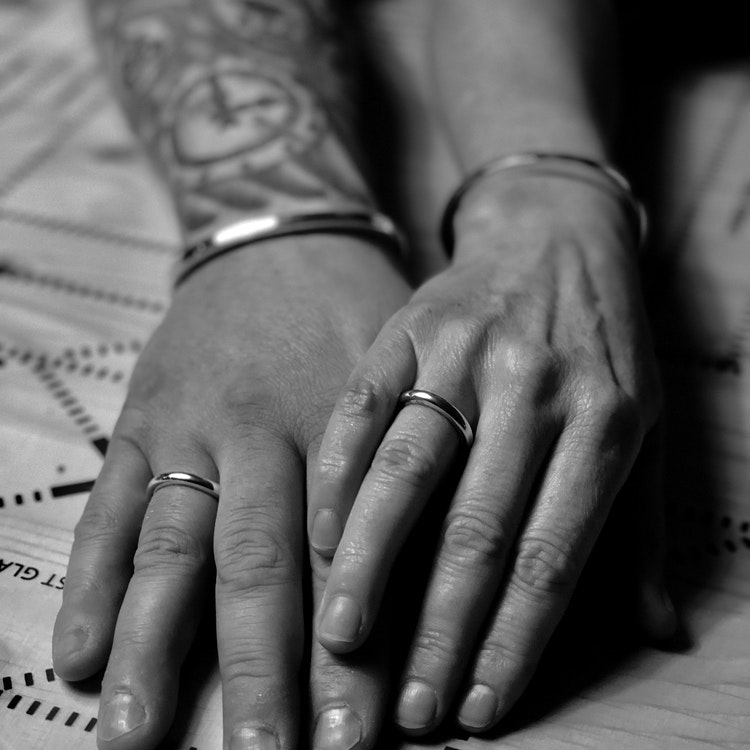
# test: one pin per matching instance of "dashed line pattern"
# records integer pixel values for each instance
(70, 360)
(69, 403)
(716, 535)
(86, 231)
(49, 711)
(71, 720)
(67, 286)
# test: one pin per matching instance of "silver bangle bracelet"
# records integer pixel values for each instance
(554, 164)
(259, 228)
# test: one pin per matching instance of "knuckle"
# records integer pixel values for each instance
(432, 645)
(361, 399)
(250, 659)
(248, 398)
(546, 566)
(97, 525)
(252, 554)
(332, 466)
(621, 418)
(163, 546)
(504, 660)
(475, 536)
(404, 460)
(534, 371)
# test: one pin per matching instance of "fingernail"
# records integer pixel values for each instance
(72, 641)
(337, 729)
(120, 715)
(479, 709)
(252, 738)
(326, 531)
(342, 620)
(417, 706)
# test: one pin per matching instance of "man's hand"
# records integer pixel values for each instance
(537, 334)
(236, 385)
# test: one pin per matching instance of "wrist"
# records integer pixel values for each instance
(288, 262)
(505, 211)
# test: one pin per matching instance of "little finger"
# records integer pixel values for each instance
(585, 473)
(101, 562)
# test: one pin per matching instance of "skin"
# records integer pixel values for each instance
(537, 333)
(236, 384)
(535, 330)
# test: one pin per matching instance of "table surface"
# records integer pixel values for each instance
(87, 240)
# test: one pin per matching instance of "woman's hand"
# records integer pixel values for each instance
(236, 385)
(536, 333)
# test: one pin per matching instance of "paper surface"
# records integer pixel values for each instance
(87, 240)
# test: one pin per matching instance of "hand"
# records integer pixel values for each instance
(236, 385)
(537, 334)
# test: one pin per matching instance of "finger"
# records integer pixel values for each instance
(643, 500)
(160, 613)
(348, 694)
(407, 467)
(588, 468)
(512, 443)
(101, 562)
(258, 547)
(359, 420)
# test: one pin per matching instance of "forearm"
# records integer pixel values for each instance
(517, 75)
(238, 103)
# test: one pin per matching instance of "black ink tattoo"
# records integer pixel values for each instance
(238, 101)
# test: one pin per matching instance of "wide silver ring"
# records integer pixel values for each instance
(183, 479)
(442, 407)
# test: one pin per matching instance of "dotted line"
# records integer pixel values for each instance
(52, 714)
(28, 679)
(705, 520)
(729, 364)
(86, 231)
(67, 286)
(18, 499)
(71, 405)
(35, 705)
(103, 349)
(69, 361)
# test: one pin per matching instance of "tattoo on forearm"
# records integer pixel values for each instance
(241, 102)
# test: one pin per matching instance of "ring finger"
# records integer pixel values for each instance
(160, 612)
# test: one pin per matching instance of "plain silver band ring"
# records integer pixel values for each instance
(442, 407)
(183, 479)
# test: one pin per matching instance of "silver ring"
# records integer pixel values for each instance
(183, 479)
(442, 407)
